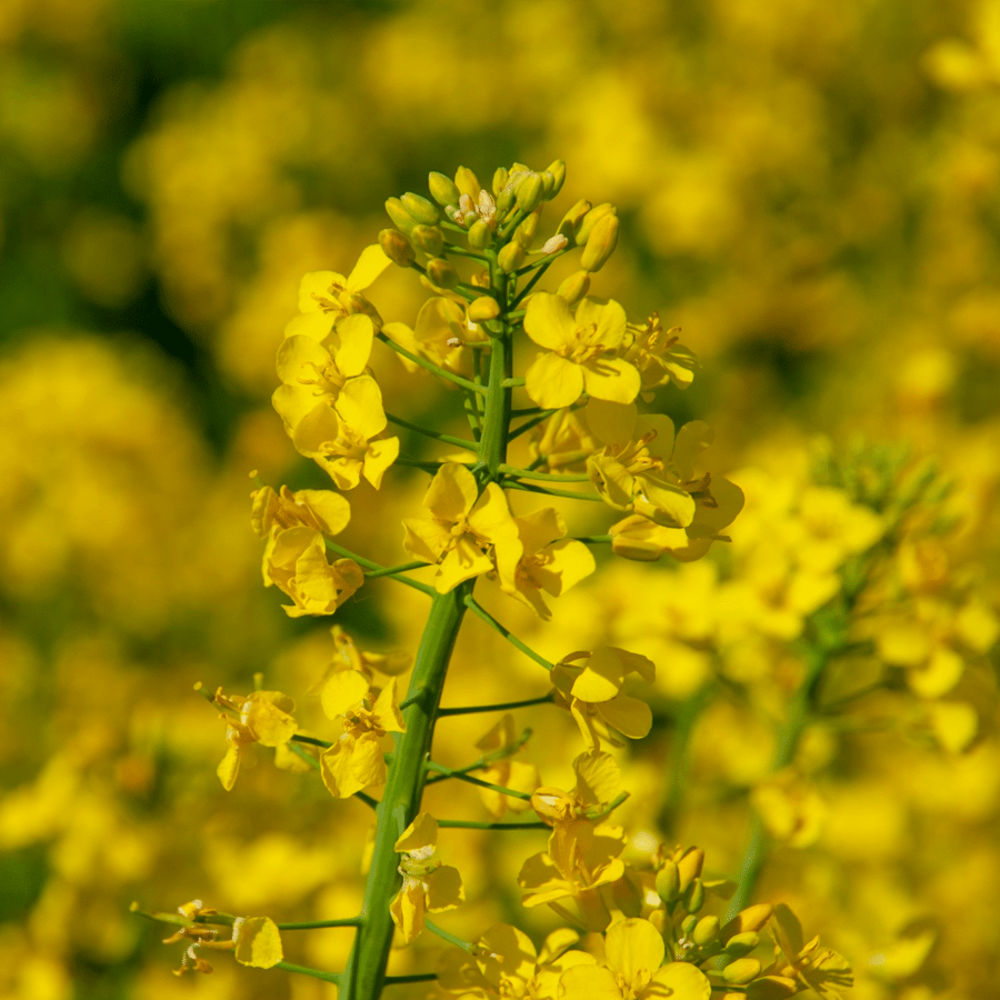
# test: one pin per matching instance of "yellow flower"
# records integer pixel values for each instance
(348, 660)
(332, 294)
(582, 352)
(548, 562)
(295, 561)
(591, 691)
(261, 717)
(465, 529)
(803, 963)
(356, 760)
(428, 886)
(322, 510)
(563, 442)
(315, 363)
(631, 970)
(440, 334)
(658, 356)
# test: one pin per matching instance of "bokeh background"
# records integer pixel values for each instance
(810, 190)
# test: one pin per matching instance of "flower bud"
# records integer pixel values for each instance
(600, 244)
(571, 221)
(530, 192)
(688, 925)
(480, 234)
(742, 971)
(705, 931)
(592, 218)
(742, 944)
(443, 189)
(397, 212)
(467, 183)
(441, 273)
(574, 287)
(558, 171)
(484, 308)
(753, 918)
(525, 233)
(668, 882)
(689, 864)
(511, 257)
(396, 247)
(772, 988)
(500, 176)
(430, 239)
(694, 896)
(421, 208)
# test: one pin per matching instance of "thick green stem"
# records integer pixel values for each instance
(365, 974)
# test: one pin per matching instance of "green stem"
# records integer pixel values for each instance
(545, 491)
(594, 539)
(313, 742)
(313, 925)
(429, 365)
(414, 977)
(448, 772)
(445, 438)
(501, 707)
(506, 633)
(329, 977)
(377, 567)
(556, 477)
(461, 824)
(513, 383)
(485, 761)
(446, 936)
(373, 574)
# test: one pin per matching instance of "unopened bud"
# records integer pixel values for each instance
(397, 212)
(443, 189)
(525, 233)
(530, 192)
(694, 896)
(505, 201)
(511, 257)
(572, 290)
(601, 244)
(441, 273)
(690, 864)
(500, 176)
(742, 944)
(396, 247)
(480, 234)
(668, 882)
(430, 239)
(591, 219)
(422, 209)
(753, 918)
(705, 931)
(742, 971)
(484, 308)
(571, 221)
(467, 183)
(558, 171)
(688, 925)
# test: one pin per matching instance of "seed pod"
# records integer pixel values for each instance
(396, 247)
(430, 239)
(511, 257)
(572, 290)
(421, 208)
(600, 244)
(705, 931)
(397, 212)
(742, 971)
(668, 878)
(591, 219)
(441, 273)
(480, 234)
(530, 192)
(571, 221)
(443, 189)
(558, 171)
(484, 308)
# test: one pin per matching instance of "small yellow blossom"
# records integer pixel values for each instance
(295, 561)
(806, 964)
(356, 760)
(589, 686)
(549, 561)
(321, 510)
(581, 352)
(428, 886)
(261, 717)
(563, 442)
(440, 335)
(331, 293)
(465, 531)
(632, 969)
(658, 356)
(344, 438)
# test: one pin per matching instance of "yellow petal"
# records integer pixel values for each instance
(370, 265)
(229, 768)
(452, 492)
(597, 777)
(611, 379)
(422, 832)
(407, 910)
(628, 715)
(341, 691)
(552, 381)
(299, 358)
(611, 423)
(444, 889)
(549, 322)
(684, 982)
(585, 982)
(268, 722)
(385, 711)
(424, 539)
(331, 511)
(631, 945)
(938, 675)
(258, 942)
(506, 951)
(360, 406)
(955, 724)
(464, 562)
(381, 454)
(607, 317)
(355, 334)
(315, 289)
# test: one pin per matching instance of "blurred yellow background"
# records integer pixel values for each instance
(810, 190)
